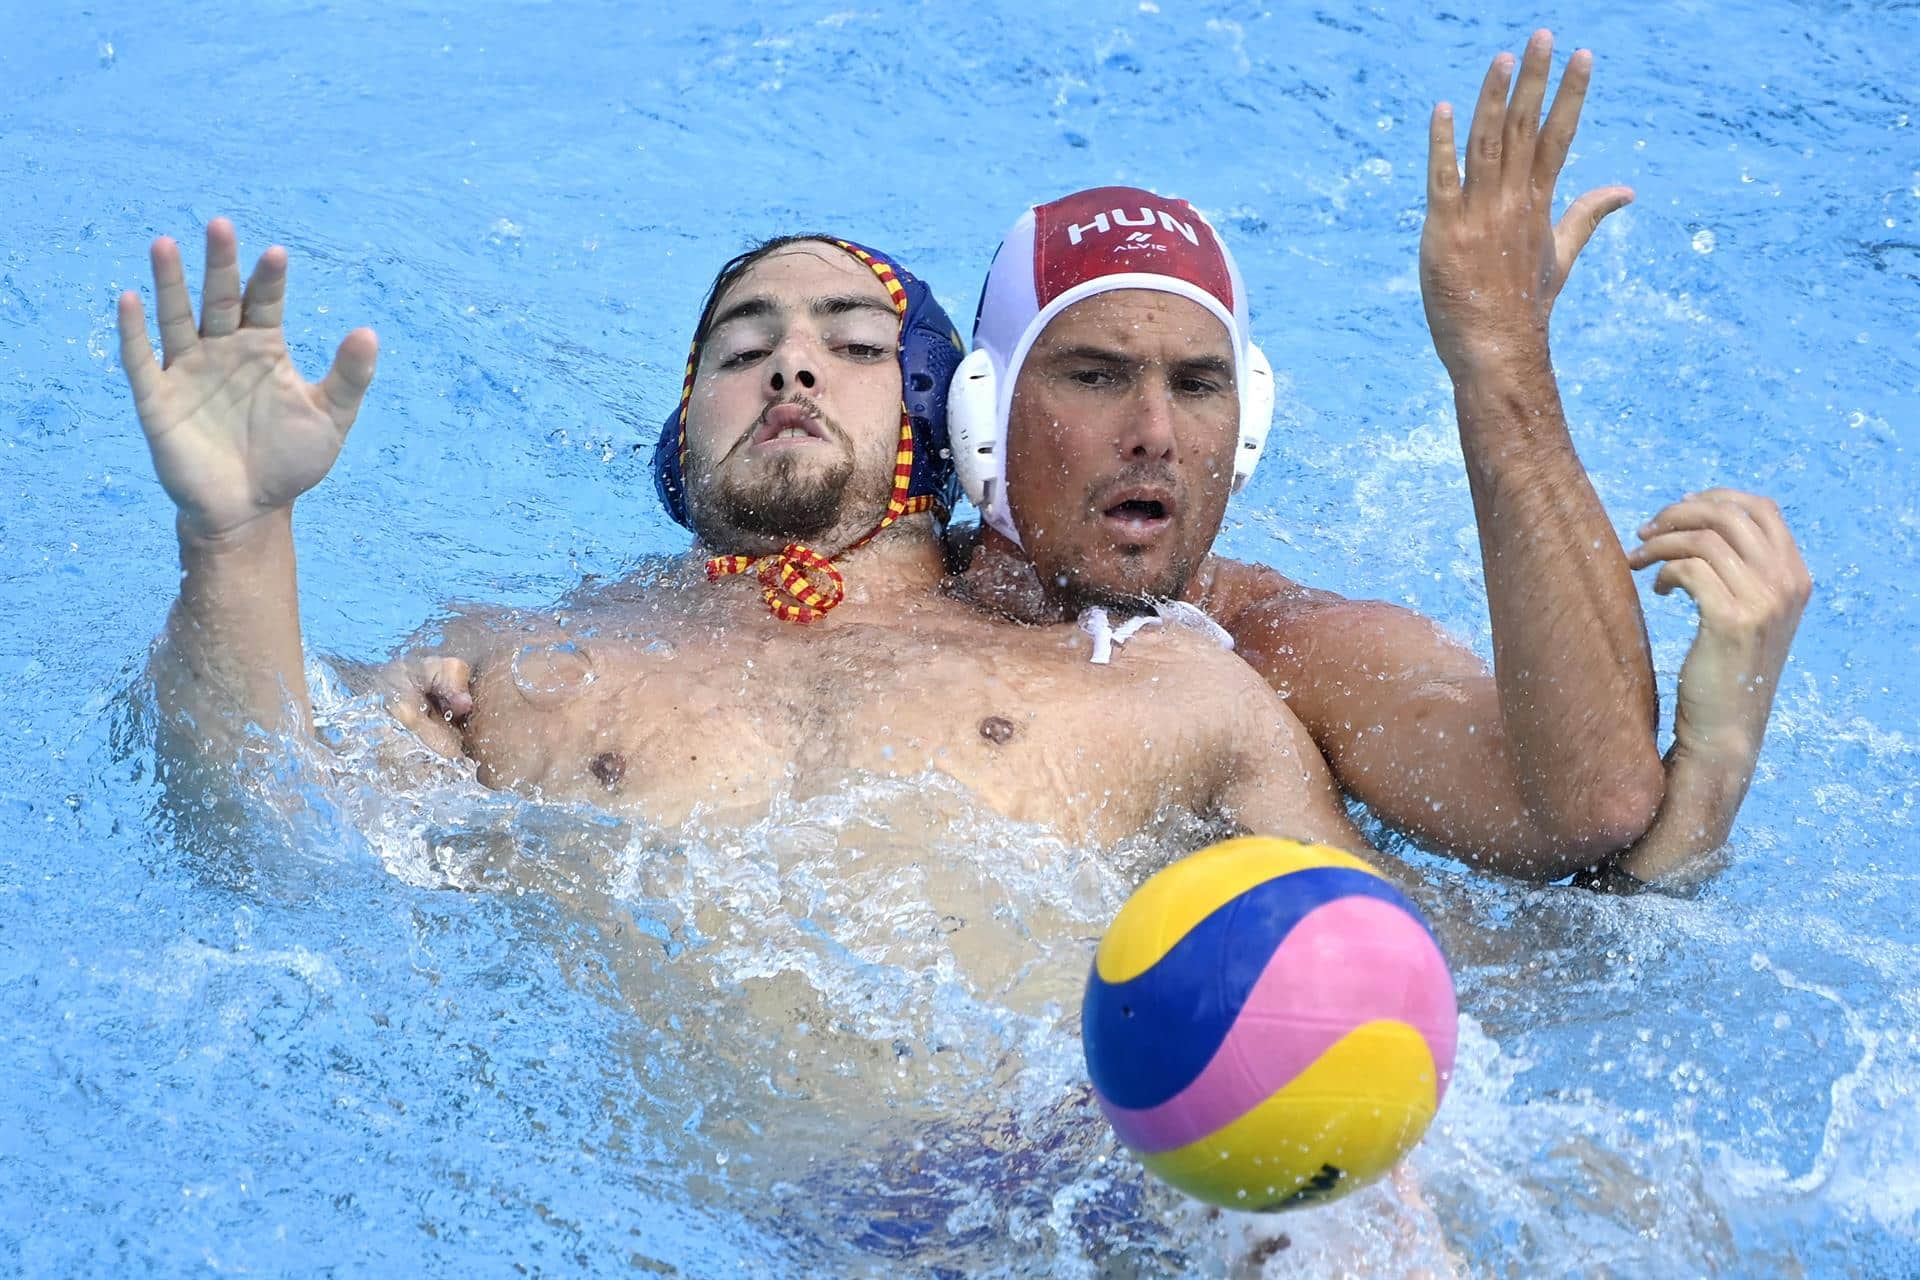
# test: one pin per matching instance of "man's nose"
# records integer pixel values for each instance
(1149, 431)
(791, 371)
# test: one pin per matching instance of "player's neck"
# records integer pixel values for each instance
(999, 579)
(900, 566)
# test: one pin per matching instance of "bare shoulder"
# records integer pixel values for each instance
(477, 631)
(1298, 636)
(1255, 747)
(1191, 670)
(1243, 596)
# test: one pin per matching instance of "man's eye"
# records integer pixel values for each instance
(1093, 377)
(865, 351)
(1197, 386)
(741, 359)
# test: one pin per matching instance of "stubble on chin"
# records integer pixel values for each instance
(1077, 587)
(791, 501)
(784, 502)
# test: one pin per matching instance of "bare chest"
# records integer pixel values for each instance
(684, 721)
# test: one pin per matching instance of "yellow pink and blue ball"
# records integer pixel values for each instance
(1269, 1024)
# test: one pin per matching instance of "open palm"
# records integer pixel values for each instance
(1492, 259)
(234, 430)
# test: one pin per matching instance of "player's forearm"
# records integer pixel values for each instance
(1704, 791)
(230, 654)
(1570, 653)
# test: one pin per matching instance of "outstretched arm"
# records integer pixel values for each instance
(236, 436)
(1548, 763)
(1572, 672)
(1733, 553)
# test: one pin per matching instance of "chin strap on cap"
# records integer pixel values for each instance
(803, 585)
(789, 575)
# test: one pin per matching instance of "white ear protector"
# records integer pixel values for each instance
(973, 427)
(1256, 415)
(977, 435)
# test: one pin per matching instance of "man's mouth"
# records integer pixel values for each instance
(1138, 514)
(785, 425)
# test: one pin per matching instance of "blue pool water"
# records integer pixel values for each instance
(419, 1028)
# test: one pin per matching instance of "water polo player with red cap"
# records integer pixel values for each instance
(1114, 401)
(1115, 397)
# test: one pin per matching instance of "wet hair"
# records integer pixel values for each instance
(739, 266)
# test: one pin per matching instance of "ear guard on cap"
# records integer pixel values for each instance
(974, 426)
(930, 348)
(667, 480)
(1256, 415)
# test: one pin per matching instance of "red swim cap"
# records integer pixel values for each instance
(1064, 252)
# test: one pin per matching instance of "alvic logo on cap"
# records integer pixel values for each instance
(1061, 253)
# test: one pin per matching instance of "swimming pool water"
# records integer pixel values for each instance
(427, 1029)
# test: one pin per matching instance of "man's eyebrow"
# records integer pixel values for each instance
(1096, 355)
(752, 308)
(844, 303)
(759, 306)
(1220, 366)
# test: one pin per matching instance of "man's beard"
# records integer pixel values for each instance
(787, 501)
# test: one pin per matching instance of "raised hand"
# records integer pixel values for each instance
(234, 430)
(1492, 260)
(1733, 553)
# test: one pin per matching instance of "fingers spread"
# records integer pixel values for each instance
(1557, 137)
(346, 382)
(266, 296)
(1443, 165)
(1489, 120)
(220, 296)
(1523, 114)
(136, 350)
(170, 301)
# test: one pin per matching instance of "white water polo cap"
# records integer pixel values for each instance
(1065, 252)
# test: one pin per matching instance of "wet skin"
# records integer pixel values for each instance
(690, 700)
(674, 697)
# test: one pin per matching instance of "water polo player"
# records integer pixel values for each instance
(1116, 396)
(805, 641)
